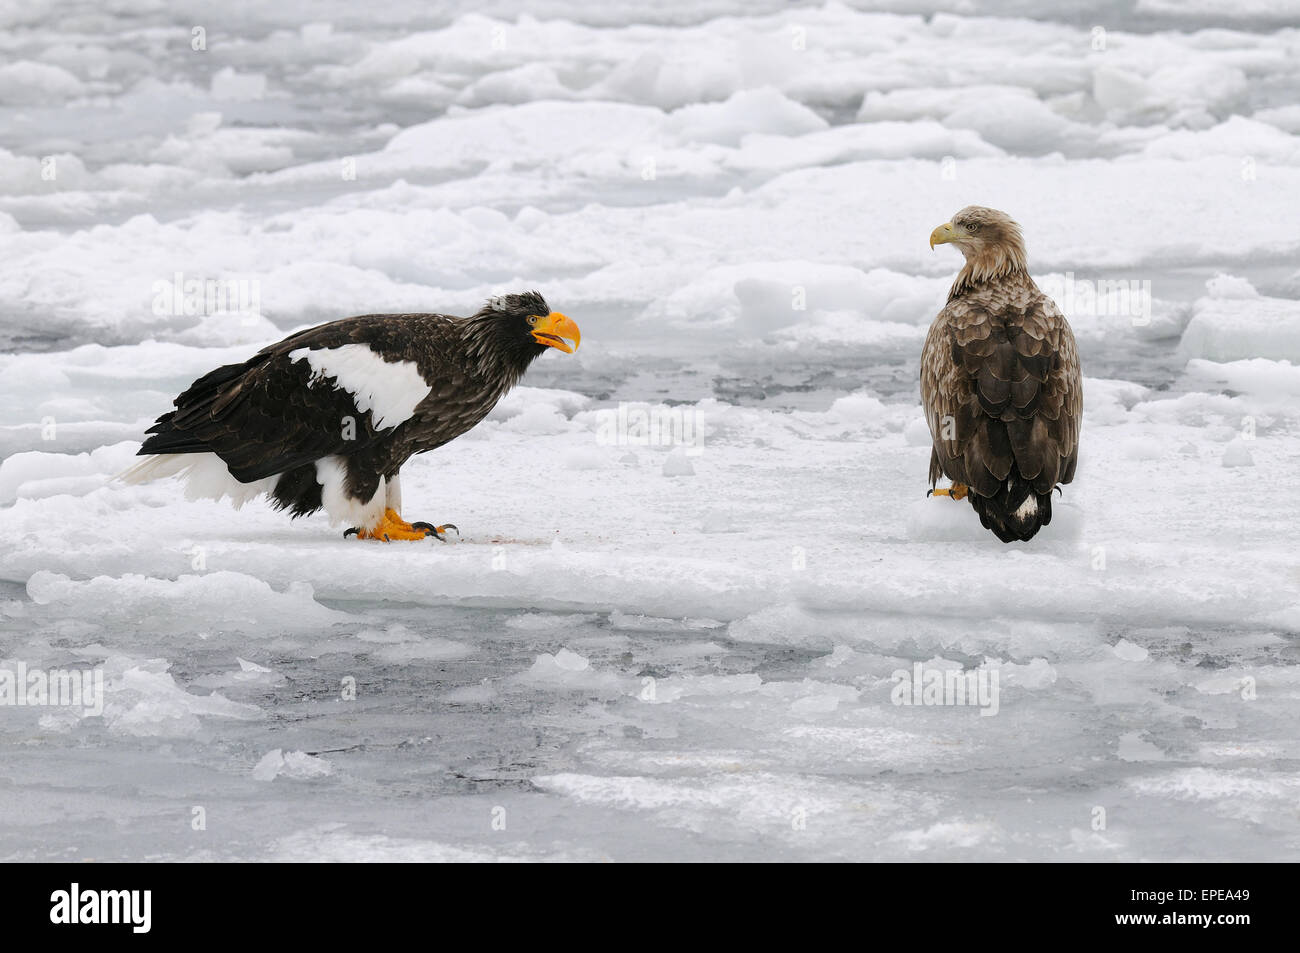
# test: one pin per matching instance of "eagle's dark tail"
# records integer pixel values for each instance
(170, 442)
(1017, 511)
(170, 434)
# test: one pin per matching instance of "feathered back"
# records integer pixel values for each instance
(1000, 381)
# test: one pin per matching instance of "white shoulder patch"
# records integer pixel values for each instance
(388, 389)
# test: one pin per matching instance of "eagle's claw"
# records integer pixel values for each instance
(392, 527)
(958, 491)
(437, 531)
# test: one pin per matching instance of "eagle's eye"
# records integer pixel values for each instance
(532, 319)
(971, 226)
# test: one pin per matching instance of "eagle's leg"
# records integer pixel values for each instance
(957, 491)
(391, 526)
(394, 490)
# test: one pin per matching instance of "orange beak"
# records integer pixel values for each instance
(553, 330)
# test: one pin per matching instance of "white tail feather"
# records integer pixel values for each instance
(154, 468)
(207, 478)
(1026, 509)
(205, 474)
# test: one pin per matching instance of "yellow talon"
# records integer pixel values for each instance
(957, 491)
(392, 527)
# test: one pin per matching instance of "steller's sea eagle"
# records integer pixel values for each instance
(326, 418)
(1000, 381)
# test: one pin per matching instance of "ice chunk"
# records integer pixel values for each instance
(1276, 384)
(35, 475)
(744, 113)
(144, 700)
(1239, 138)
(296, 765)
(217, 601)
(570, 661)
(1129, 651)
(1232, 325)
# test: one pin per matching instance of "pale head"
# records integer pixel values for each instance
(989, 239)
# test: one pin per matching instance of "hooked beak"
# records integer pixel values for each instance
(554, 328)
(942, 235)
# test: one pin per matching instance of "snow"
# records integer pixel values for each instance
(1227, 329)
(694, 554)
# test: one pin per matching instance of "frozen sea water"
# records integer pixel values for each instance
(655, 652)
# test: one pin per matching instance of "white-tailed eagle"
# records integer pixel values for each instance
(1000, 381)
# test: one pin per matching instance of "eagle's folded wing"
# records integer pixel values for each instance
(1020, 367)
(329, 390)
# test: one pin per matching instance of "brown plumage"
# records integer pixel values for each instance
(327, 417)
(1000, 381)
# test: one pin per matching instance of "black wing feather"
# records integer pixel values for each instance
(267, 415)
